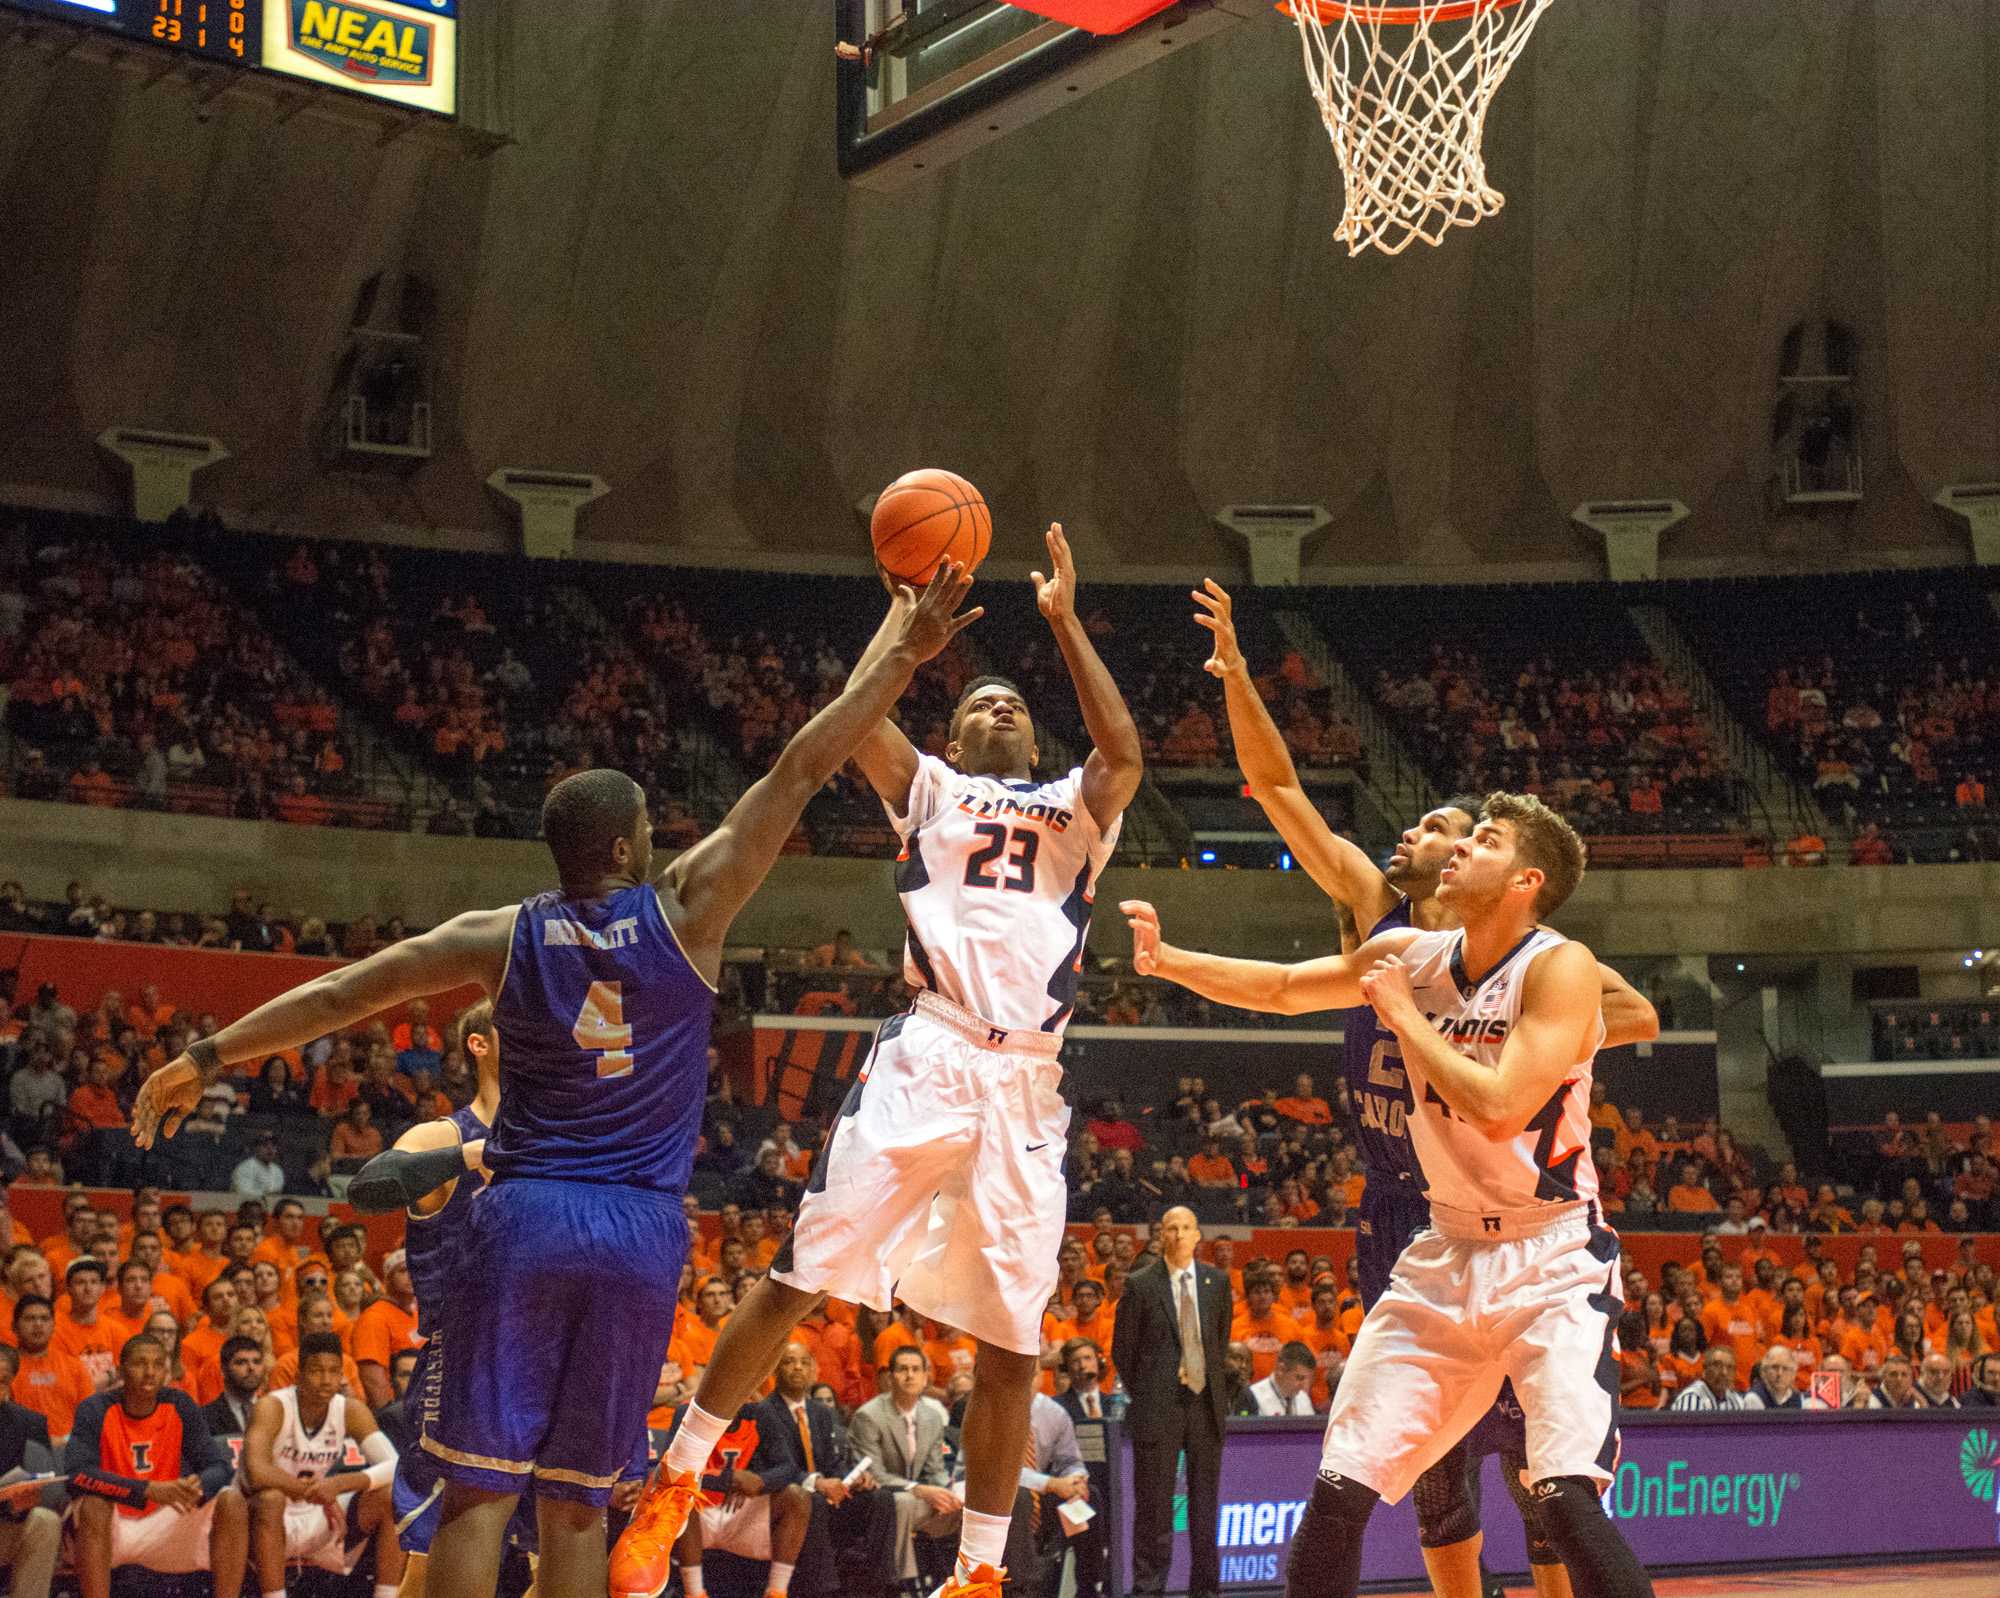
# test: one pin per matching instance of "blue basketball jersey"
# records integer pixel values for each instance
(1377, 1085)
(604, 1029)
(431, 1242)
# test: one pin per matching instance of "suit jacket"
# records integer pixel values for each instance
(877, 1430)
(781, 1457)
(1146, 1347)
(32, 1422)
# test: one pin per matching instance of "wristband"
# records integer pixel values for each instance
(207, 1059)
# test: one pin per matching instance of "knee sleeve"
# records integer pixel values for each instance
(1540, 1550)
(1600, 1563)
(1447, 1511)
(1326, 1550)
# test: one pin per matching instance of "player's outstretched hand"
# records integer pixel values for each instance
(1216, 615)
(1144, 921)
(170, 1093)
(1055, 596)
(932, 620)
(1386, 986)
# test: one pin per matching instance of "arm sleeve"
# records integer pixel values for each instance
(926, 787)
(81, 1459)
(201, 1454)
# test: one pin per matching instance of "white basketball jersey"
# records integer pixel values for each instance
(312, 1455)
(1549, 1163)
(997, 880)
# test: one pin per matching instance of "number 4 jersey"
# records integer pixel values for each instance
(604, 1029)
(1549, 1162)
(997, 880)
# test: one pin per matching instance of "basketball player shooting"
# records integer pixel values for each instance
(1497, 1024)
(941, 1181)
(602, 994)
(1371, 900)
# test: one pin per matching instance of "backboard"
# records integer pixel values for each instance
(937, 79)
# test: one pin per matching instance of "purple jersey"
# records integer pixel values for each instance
(604, 1029)
(431, 1242)
(1378, 1085)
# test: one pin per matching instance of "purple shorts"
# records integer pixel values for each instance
(553, 1341)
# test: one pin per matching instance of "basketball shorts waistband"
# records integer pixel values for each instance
(978, 1030)
(1494, 1227)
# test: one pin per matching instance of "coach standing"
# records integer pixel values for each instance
(1173, 1327)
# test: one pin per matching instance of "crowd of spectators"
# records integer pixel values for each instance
(134, 679)
(145, 667)
(1615, 748)
(1874, 694)
(210, 1306)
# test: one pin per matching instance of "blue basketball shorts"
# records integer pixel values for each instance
(554, 1338)
(1392, 1212)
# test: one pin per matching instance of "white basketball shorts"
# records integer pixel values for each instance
(740, 1526)
(316, 1534)
(1472, 1300)
(941, 1182)
(172, 1542)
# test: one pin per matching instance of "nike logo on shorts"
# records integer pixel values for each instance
(1034, 1148)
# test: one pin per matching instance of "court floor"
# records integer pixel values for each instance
(1959, 1579)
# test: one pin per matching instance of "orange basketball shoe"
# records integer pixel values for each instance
(982, 1581)
(642, 1562)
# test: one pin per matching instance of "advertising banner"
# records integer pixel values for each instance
(1729, 1489)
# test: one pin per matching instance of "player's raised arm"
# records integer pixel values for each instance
(1343, 871)
(1629, 1016)
(885, 755)
(1117, 762)
(1559, 1011)
(708, 884)
(468, 949)
(1331, 983)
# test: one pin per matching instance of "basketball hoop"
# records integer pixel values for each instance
(1407, 110)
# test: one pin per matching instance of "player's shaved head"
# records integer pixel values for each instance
(586, 817)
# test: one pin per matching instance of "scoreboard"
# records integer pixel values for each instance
(401, 51)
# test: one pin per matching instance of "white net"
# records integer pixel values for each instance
(1404, 91)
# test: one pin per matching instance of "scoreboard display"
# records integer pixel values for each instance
(401, 51)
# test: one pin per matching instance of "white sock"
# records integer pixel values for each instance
(780, 1580)
(982, 1540)
(387, 1589)
(275, 1592)
(695, 1441)
(691, 1581)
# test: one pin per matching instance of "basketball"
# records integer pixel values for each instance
(927, 516)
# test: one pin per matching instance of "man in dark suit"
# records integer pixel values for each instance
(804, 1442)
(1089, 1407)
(1173, 1328)
(30, 1517)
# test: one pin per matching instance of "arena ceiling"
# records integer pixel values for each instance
(1126, 315)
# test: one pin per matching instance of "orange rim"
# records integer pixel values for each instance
(1401, 16)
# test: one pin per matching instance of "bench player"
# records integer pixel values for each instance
(941, 1181)
(1393, 1210)
(1497, 1025)
(602, 994)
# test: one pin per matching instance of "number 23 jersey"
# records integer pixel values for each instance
(997, 878)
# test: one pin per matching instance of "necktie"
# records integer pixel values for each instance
(805, 1435)
(1034, 1499)
(910, 1431)
(1090, 1406)
(1194, 1363)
